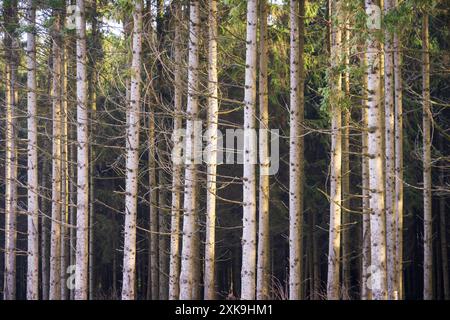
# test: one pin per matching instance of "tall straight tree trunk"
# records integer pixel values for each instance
(443, 228)
(334, 247)
(174, 264)
(11, 46)
(55, 238)
(366, 293)
(263, 263)
(398, 126)
(389, 127)
(346, 221)
(33, 186)
(426, 141)
(213, 118)
(296, 150)
(375, 154)
(248, 270)
(81, 255)
(190, 227)
(64, 175)
(132, 160)
(44, 230)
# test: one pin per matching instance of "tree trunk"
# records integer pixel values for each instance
(263, 263)
(248, 271)
(64, 174)
(32, 166)
(190, 226)
(366, 293)
(11, 45)
(81, 271)
(398, 162)
(427, 199)
(132, 160)
(346, 221)
(55, 239)
(334, 247)
(375, 154)
(213, 118)
(389, 127)
(174, 272)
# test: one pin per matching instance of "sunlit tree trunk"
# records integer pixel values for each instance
(174, 264)
(82, 234)
(296, 150)
(263, 262)
(426, 141)
(334, 247)
(132, 160)
(190, 226)
(55, 238)
(213, 109)
(248, 270)
(32, 165)
(375, 154)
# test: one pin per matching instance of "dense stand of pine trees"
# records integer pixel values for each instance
(97, 204)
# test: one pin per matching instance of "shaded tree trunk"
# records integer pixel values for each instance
(82, 233)
(132, 160)
(55, 237)
(248, 270)
(426, 141)
(263, 263)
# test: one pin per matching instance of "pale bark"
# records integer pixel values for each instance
(296, 150)
(389, 127)
(263, 262)
(55, 237)
(248, 270)
(375, 154)
(190, 226)
(11, 94)
(346, 221)
(32, 170)
(64, 175)
(366, 293)
(44, 231)
(174, 264)
(398, 162)
(132, 160)
(81, 255)
(334, 247)
(426, 145)
(213, 109)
